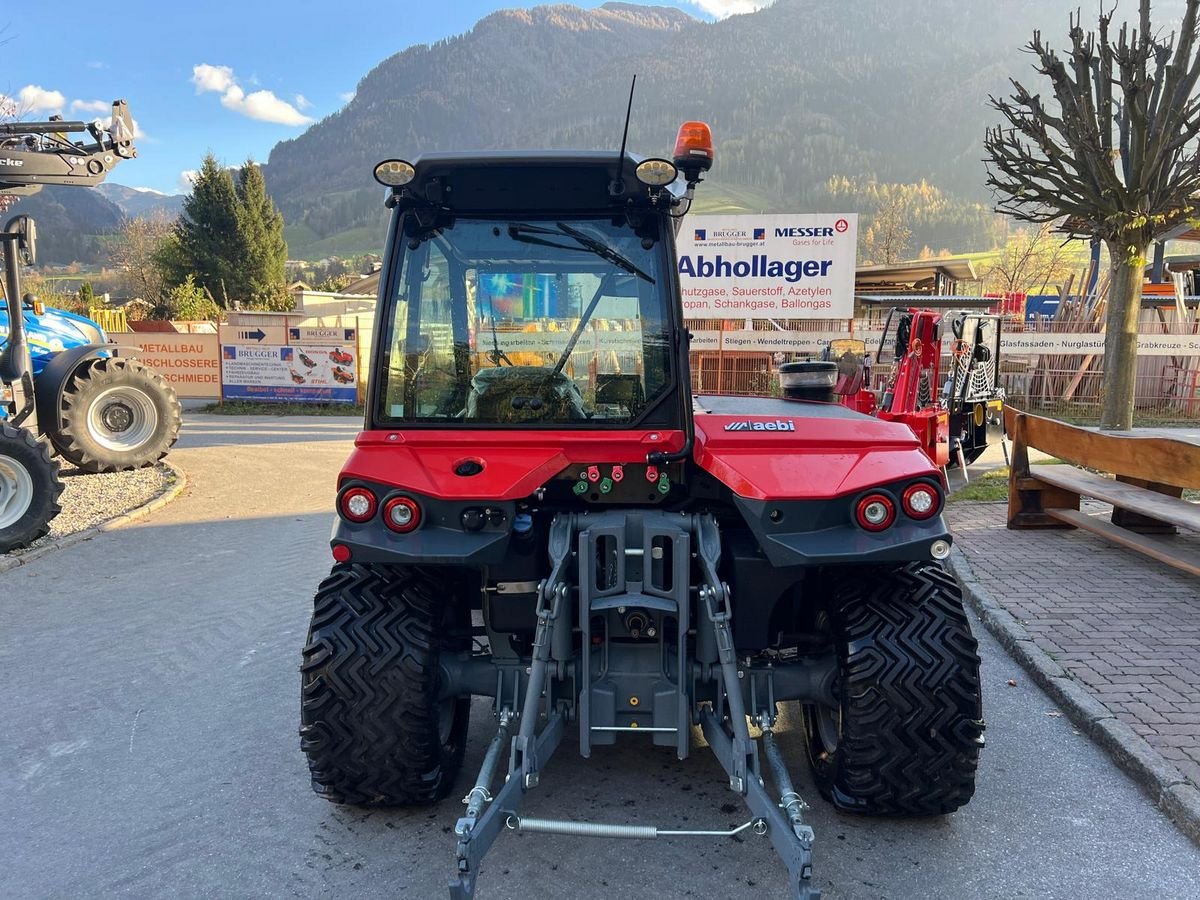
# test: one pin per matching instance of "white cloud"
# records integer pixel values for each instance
(91, 106)
(720, 9)
(264, 106)
(302, 102)
(261, 105)
(187, 178)
(97, 65)
(212, 78)
(33, 98)
(347, 96)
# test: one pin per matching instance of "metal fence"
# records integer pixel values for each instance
(1066, 384)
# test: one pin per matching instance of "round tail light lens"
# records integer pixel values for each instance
(875, 512)
(921, 501)
(357, 504)
(401, 514)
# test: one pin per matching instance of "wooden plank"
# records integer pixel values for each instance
(1136, 521)
(1149, 457)
(1148, 503)
(1179, 557)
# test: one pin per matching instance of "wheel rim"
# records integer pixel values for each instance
(16, 491)
(827, 719)
(122, 419)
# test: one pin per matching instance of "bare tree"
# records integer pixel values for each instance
(888, 237)
(1114, 156)
(1030, 262)
(136, 253)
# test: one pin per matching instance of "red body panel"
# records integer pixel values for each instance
(932, 428)
(823, 458)
(515, 462)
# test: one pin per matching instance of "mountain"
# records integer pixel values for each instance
(70, 222)
(142, 202)
(816, 105)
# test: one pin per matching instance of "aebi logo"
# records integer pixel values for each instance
(749, 425)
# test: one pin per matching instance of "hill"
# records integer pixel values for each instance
(70, 222)
(815, 104)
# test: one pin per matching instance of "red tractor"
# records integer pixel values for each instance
(539, 512)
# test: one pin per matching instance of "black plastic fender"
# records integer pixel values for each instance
(52, 381)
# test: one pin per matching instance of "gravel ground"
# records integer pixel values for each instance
(91, 500)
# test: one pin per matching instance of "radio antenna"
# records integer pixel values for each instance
(617, 188)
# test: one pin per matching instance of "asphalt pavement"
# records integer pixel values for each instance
(150, 745)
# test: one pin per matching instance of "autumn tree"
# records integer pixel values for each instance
(139, 253)
(887, 238)
(1031, 261)
(1111, 154)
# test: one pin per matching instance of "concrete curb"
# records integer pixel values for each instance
(1162, 782)
(174, 489)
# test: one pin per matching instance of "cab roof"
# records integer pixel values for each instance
(526, 181)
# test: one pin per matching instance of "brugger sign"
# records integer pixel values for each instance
(768, 267)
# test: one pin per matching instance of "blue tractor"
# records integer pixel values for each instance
(65, 386)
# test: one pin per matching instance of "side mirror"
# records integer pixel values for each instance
(26, 230)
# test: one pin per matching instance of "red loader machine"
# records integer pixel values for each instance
(951, 422)
(539, 512)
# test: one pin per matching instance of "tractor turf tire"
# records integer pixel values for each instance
(74, 439)
(369, 715)
(21, 452)
(911, 721)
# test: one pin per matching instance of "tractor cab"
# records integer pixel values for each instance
(532, 291)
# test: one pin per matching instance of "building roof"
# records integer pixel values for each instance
(913, 276)
(366, 284)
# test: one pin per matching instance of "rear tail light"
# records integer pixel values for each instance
(357, 504)
(401, 514)
(921, 501)
(875, 512)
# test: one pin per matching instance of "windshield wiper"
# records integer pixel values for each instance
(524, 232)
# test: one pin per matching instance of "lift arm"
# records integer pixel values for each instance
(36, 153)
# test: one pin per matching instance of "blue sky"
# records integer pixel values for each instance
(231, 77)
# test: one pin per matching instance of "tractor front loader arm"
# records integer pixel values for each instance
(36, 153)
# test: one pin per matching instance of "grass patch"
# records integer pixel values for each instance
(247, 408)
(990, 487)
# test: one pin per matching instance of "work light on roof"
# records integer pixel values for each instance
(394, 173)
(656, 172)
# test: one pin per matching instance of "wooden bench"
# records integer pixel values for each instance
(1150, 472)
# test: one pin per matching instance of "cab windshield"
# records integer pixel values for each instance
(505, 321)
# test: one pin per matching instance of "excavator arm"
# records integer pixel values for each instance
(36, 153)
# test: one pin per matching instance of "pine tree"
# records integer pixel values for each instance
(208, 239)
(260, 229)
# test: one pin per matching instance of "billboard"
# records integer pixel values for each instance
(316, 365)
(768, 267)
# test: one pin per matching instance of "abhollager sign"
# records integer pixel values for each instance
(768, 267)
